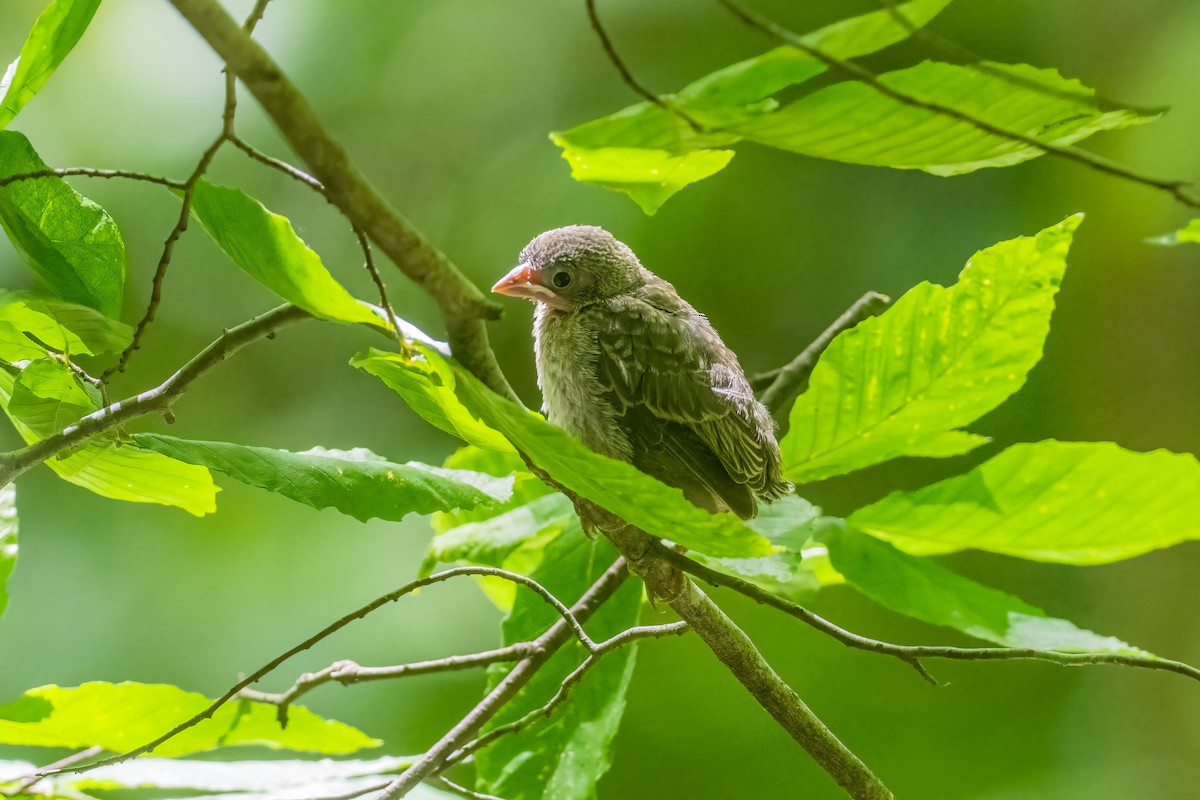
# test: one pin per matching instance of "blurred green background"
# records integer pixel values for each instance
(445, 105)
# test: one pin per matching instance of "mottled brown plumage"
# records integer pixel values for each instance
(629, 367)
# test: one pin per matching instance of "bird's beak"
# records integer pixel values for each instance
(526, 281)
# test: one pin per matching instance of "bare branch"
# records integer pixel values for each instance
(564, 688)
(912, 654)
(1175, 188)
(28, 782)
(462, 791)
(90, 172)
(570, 624)
(348, 672)
(158, 399)
(434, 760)
(791, 379)
(611, 51)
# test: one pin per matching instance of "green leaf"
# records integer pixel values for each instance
(922, 589)
(266, 246)
(46, 398)
(105, 465)
(650, 153)
(70, 242)
(8, 539)
(428, 386)
(122, 716)
(856, 123)
(622, 489)
(54, 34)
(491, 541)
(355, 482)
(1188, 233)
(1067, 502)
(71, 329)
(526, 487)
(564, 756)
(902, 383)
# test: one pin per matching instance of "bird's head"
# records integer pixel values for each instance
(568, 268)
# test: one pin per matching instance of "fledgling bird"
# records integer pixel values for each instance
(628, 366)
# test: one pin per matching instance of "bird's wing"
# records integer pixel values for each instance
(668, 375)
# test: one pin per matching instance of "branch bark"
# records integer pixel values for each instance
(464, 308)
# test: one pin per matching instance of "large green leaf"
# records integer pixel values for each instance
(70, 242)
(46, 398)
(564, 756)
(69, 328)
(122, 716)
(650, 153)
(355, 482)
(104, 465)
(526, 486)
(56, 31)
(921, 588)
(1070, 502)
(903, 383)
(637, 498)
(8, 539)
(266, 246)
(854, 122)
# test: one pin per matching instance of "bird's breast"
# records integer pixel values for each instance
(567, 350)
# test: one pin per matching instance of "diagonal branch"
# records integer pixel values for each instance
(912, 654)
(158, 399)
(464, 308)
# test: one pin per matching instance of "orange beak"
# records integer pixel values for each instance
(526, 281)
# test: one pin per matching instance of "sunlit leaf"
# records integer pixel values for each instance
(650, 153)
(491, 542)
(1070, 502)
(56, 31)
(854, 122)
(619, 487)
(563, 756)
(1189, 233)
(266, 246)
(923, 589)
(69, 241)
(69, 328)
(428, 386)
(105, 465)
(122, 716)
(355, 482)
(526, 486)
(903, 383)
(8, 539)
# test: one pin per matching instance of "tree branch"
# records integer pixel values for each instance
(912, 654)
(90, 172)
(435, 758)
(570, 625)
(790, 380)
(158, 399)
(1175, 188)
(464, 308)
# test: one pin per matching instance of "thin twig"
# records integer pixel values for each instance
(564, 688)
(348, 672)
(434, 759)
(570, 621)
(792, 379)
(1175, 188)
(26, 783)
(462, 791)
(158, 399)
(90, 172)
(633, 83)
(912, 654)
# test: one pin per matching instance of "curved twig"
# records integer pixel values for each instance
(91, 172)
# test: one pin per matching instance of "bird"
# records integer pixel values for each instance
(634, 371)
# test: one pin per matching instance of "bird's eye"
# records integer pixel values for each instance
(561, 279)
